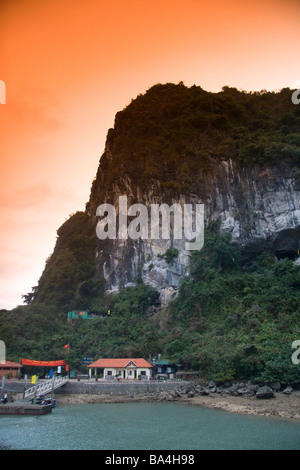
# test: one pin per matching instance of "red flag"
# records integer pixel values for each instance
(66, 345)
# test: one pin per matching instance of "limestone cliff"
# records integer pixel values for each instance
(236, 153)
(256, 198)
(259, 208)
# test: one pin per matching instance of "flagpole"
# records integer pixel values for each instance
(68, 360)
(68, 348)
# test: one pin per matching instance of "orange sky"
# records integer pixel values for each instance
(70, 65)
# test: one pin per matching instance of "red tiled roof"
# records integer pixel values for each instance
(4, 365)
(121, 363)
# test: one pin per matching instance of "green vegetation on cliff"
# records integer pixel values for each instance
(228, 321)
(236, 322)
(68, 281)
(174, 133)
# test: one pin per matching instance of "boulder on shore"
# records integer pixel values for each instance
(288, 390)
(265, 392)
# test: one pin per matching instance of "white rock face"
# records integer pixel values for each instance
(269, 212)
(133, 261)
(260, 209)
(163, 276)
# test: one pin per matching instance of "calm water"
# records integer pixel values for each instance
(145, 426)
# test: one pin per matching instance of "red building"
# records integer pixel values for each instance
(9, 367)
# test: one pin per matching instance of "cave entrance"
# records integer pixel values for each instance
(287, 244)
(290, 254)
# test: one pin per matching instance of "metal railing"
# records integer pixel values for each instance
(46, 387)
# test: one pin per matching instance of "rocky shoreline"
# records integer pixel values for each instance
(238, 398)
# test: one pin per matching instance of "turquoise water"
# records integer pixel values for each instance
(145, 426)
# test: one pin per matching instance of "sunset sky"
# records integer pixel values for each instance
(70, 65)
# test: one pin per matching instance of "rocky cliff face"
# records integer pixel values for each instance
(236, 153)
(258, 207)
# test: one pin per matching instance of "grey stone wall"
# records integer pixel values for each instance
(120, 388)
(108, 387)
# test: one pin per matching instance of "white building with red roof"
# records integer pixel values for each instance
(124, 368)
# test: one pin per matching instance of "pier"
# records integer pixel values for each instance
(31, 402)
(25, 408)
